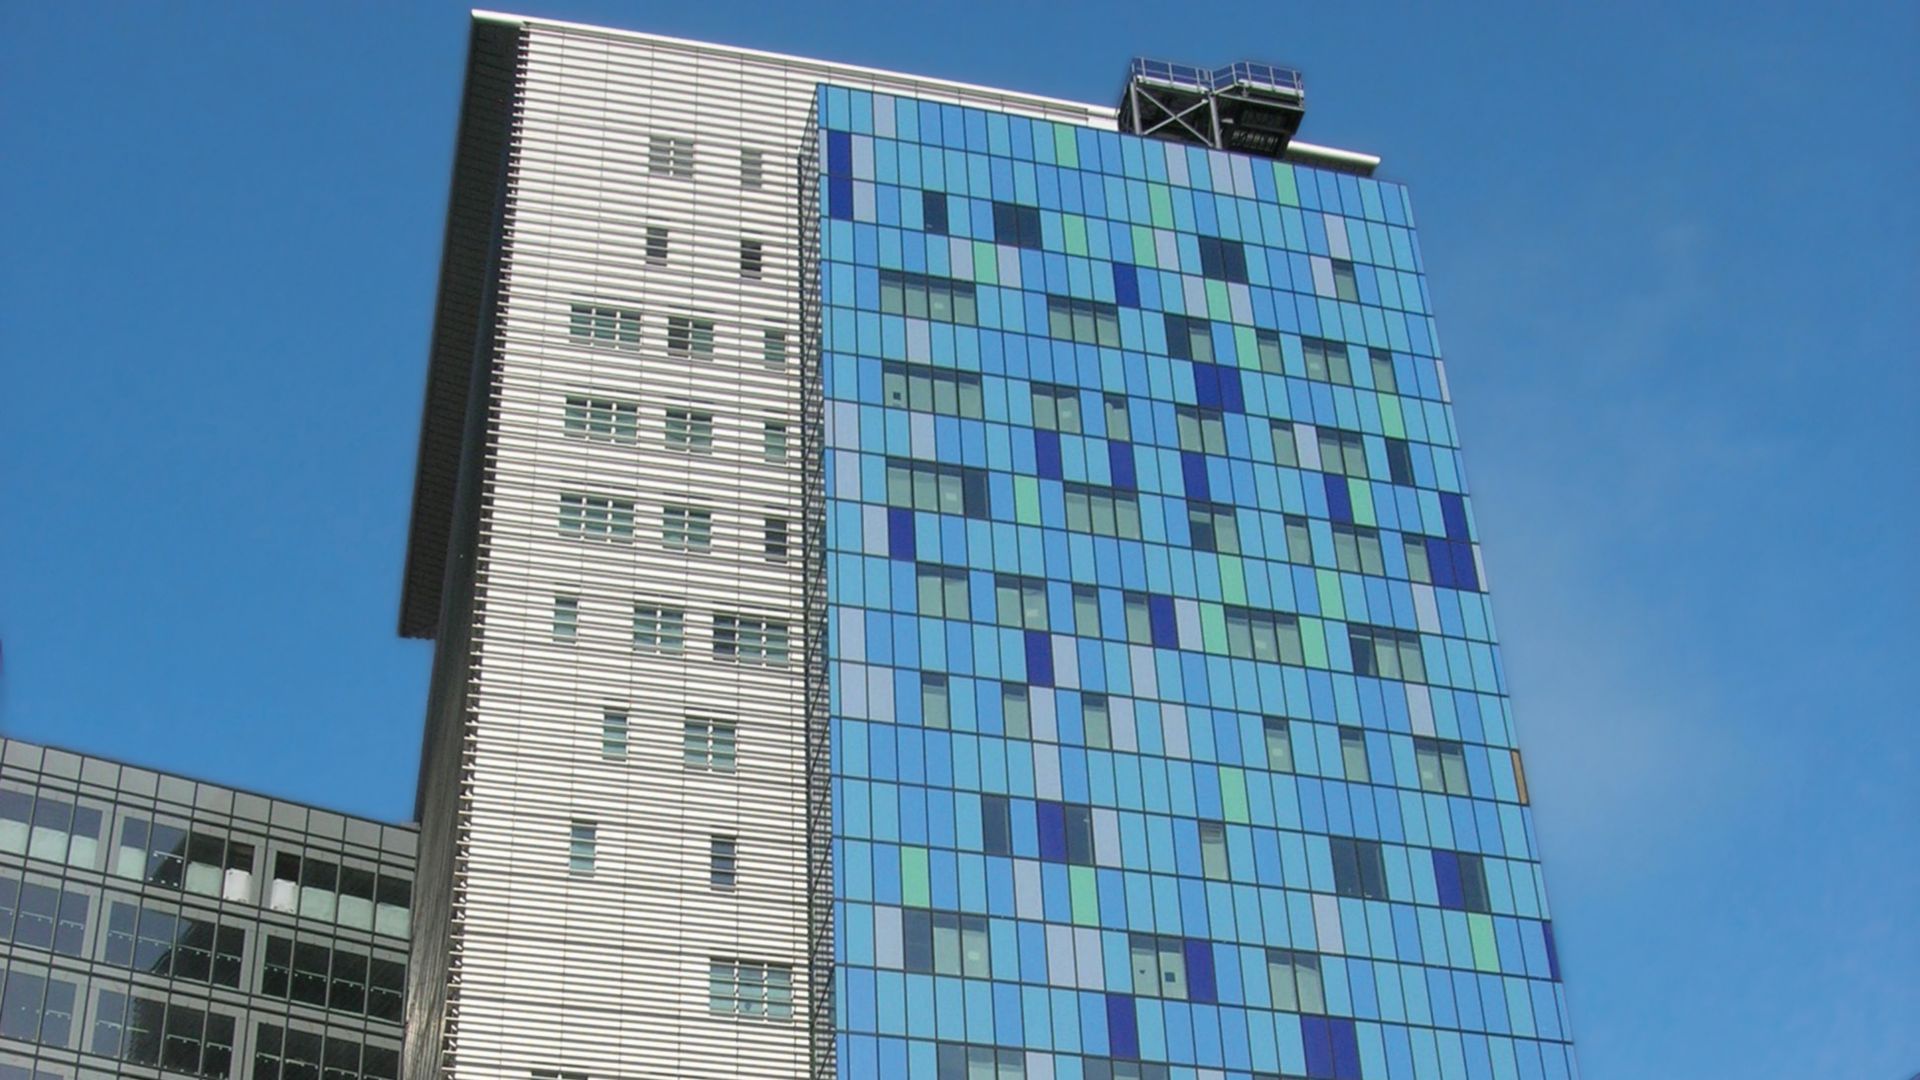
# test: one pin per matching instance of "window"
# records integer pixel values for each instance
(1213, 850)
(1212, 527)
(341, 979)
(1400, 461)
(1266, 346)
(1520, 778)
(659, 629)
(921, 296)
(944, 943)
(1088, 322)
(1223, 259)
(1086, 610)
(566, 618)
(1385, 653)
(689, 431)
(723, 862)
(154, 1033)
(1103, 511)
(1118, 426)
(602, 419)
(710, 744)
(955, 1061)
(751, 988)
(1159, 966)
(1295, 980)
(1279, 744)
(996, 825)
(1299, 540)
(1345, 287)
(613, 735)
(38, 1007)
(1096, 721)
(1383, 378)
(1016, 225)
(600, 325)
(1200, 430)
(925, 389)
(1137, 617)
(1326, 360)
(1020, 602)
(753, 168)
(1189, 339)
(1358, 868)
(1356, 549)
(41, 916)
(657, 240)
(942, 591)
(1442, 766)
(1342, 452)
(689, 337)
(54, 829)
(753, 259)
(933, 212)
(1285, 451)
(1264, 635)
(1417, 566)
(776, 539)
(774, 441)
(162, 943)
(176, 858)
(1016, 712)
(671, 156)
(315, 888)
(934, 710)
(945, 489)
(1056, 408)
(299, 1055)
(686, 528)
(596, 517)
(750, 640)
(583, 839)
(773, 349)
(1353, 755)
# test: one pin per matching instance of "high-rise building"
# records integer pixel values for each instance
(933, 581)
(157, 926)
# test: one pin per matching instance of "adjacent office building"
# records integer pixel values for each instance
(157, 926)
(933, 581)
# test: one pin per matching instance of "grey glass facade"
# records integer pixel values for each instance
(157, 926)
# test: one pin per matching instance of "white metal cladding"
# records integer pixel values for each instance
(607, 974)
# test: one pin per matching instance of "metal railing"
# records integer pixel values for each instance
(1244, 72)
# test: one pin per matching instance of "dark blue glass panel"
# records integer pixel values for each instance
(1120, 465)
(1126, 285)
(1200, 983)
(1319, 1045)
(839, 153)
(1166, 630)
(1454, 511)
(1050, 819)
(1193, 473)
(1440, 562)
(1123, 1034)
(1039, 658)
(900, 533)
(1446, 878)
(1046, 454)
(1339, 503)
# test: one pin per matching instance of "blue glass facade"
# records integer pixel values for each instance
(1168, 729)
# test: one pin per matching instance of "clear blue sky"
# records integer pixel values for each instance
(1672, 247)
